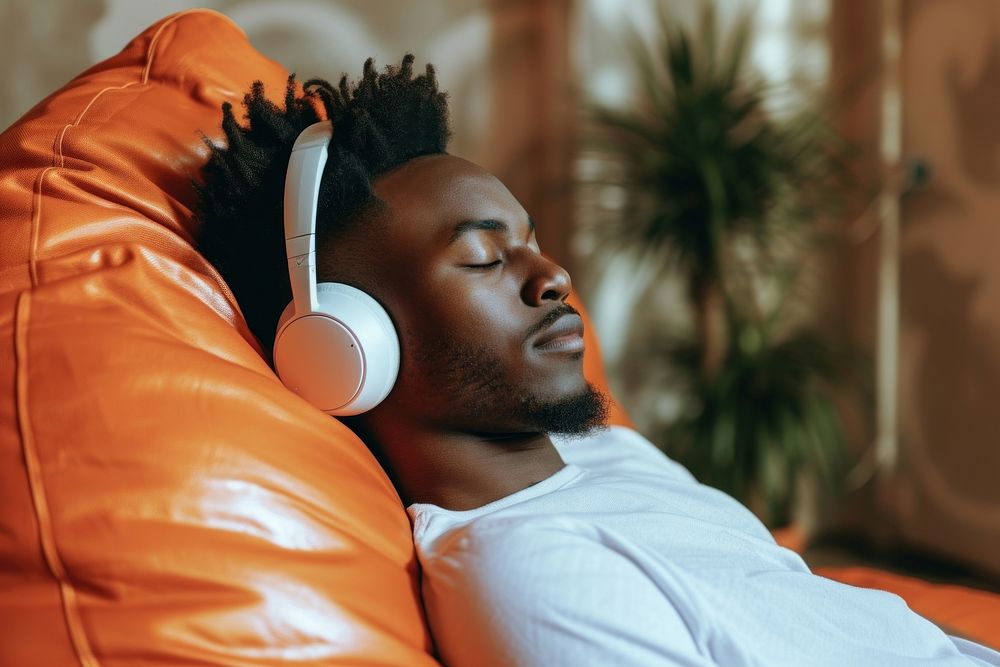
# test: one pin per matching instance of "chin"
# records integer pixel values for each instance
(577, 413)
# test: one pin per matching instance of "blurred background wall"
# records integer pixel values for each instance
(935, 482)
(522, 75)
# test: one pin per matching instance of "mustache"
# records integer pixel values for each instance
(550, 318)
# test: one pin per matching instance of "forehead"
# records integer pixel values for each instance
(429, 195)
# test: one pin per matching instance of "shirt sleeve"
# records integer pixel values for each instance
(524, 591)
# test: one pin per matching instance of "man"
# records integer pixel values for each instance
(544, 538)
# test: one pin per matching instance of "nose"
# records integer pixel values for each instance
(547, 282)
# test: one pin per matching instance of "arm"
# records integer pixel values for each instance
(530, 592)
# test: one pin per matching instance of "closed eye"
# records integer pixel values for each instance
(491, 265)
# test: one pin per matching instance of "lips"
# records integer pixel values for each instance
(566, 333)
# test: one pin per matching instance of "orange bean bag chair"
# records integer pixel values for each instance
(163, 498)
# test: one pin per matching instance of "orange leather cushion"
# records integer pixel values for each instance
(163, 498)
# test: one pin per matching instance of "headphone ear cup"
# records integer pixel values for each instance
(344, 357)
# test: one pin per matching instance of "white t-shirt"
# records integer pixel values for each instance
(622, 558)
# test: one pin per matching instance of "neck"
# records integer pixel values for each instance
(456, 470)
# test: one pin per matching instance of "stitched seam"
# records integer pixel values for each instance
(35, 225)
(156, 38)
(57, 148)
(79, 116)
(151, 50)
(43, 516)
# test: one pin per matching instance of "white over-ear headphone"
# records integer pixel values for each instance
(335, 345)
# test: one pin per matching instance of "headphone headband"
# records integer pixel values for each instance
(302, 181)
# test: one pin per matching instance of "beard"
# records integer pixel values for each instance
(473, 390)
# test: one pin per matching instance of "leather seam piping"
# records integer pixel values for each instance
(36, 218)
(46, 535)
(150, 51)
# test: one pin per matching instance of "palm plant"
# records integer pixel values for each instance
(730, 196)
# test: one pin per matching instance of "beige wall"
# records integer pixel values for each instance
(42, 46)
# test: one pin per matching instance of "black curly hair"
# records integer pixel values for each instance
(379, 122)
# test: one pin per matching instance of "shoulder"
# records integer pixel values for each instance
(538, 589)
(522, 565)
(506, 540)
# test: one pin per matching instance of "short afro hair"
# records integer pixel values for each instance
(379, 122)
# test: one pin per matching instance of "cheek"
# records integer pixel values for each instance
(483, 316)
(473, 313)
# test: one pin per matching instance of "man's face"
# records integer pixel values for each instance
(488, 344)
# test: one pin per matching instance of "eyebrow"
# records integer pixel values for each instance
(490, 224)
